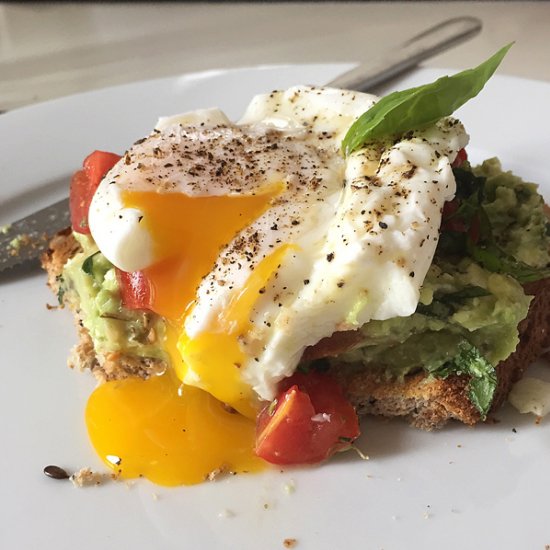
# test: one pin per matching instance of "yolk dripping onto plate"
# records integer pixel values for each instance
(168, 432)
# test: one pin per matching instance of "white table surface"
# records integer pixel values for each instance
(49, 51)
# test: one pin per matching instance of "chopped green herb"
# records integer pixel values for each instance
(486, 252)
(493, 258)
(483, 378)
(436, 309)
(467, 183)
(444, 305)
(88, 264)
(60, 289)
(60, 295)
(471, 291)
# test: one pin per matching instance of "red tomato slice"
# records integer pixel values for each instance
(84, 184)
(80, 196)
(135, 289)
(309, 421)
(475, 229)
(97, 164)
(451, 222)
(281, 437)
(461, 156)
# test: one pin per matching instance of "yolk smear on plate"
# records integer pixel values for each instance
(159, 428)
(170, 433)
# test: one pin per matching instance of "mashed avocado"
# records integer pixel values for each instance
(89, 282)
(471, 302)
(457, 303)
(516, 212)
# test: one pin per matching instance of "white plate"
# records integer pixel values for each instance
(460, 488)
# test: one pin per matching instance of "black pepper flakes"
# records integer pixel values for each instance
(330, 257)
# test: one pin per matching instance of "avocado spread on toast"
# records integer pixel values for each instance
(493, 239)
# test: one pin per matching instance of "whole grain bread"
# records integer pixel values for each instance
(425, 402)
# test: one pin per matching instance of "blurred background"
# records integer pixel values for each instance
(51, 50)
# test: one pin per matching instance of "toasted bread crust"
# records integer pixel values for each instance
(425, 402)
(62, 247)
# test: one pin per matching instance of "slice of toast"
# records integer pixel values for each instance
(424, 401)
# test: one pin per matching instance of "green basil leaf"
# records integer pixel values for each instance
(451, 244)
(88, 264)
(471, 291)
(468, 184)
(416, 108)
(494, 259)
(444, 305)
(436, 309)
(483, 378)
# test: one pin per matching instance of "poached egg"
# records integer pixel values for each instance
(259, 238)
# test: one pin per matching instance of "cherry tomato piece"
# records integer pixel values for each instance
(309, 421)
(281, 436)
(135, 289)
(449, 220)
(475, 229)
(84, 184)
(461, 157)
(97, 164)
(80, 196)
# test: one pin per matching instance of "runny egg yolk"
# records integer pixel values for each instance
(159, 428)
(168, 432)
(215, 357)
(188, 233)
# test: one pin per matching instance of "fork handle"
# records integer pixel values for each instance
(432, 41)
